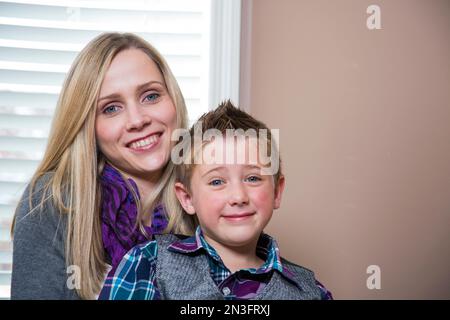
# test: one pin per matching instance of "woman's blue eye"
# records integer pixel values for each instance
(151, 97)
(110, 109)
(216, 182)
(253, 179)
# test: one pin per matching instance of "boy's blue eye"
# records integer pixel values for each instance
(110, 109)
(253, 179)
(151, 97)
(216, 182)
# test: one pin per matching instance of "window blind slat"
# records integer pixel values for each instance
(143, 5)
(38, 101)
(159, 25)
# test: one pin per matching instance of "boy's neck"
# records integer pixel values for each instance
(237, 258)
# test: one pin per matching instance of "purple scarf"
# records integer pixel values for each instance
(119, 212)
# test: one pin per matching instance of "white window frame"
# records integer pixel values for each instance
(225, 40)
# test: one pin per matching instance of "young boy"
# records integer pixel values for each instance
(229, 190)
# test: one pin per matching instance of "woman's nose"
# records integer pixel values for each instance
(137, 118)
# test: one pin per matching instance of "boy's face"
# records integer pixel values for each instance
(233, 202)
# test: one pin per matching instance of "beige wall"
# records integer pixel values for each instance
(365, 135)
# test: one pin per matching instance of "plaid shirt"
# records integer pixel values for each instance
(135, 277)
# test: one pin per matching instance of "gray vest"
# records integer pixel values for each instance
(187, 277)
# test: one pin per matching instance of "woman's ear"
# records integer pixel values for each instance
(184, 197)
(279, 188)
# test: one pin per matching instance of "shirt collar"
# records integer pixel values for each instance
(266, 247)
(194, 243)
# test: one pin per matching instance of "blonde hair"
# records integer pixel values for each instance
(73, 158)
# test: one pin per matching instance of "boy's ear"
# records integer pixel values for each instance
(279, 188)
(184, 198)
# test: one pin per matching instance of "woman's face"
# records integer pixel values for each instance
(135, 116)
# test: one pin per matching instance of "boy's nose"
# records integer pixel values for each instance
(238, 196)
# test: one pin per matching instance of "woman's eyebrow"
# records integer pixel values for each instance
(110, 96)
(138, 88)
(144, 85)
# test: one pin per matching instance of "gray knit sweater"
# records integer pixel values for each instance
(186, 277)
(39, 267)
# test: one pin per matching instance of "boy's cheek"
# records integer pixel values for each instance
(263, 196)
(207, 200)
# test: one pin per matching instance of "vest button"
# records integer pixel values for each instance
(226, 291)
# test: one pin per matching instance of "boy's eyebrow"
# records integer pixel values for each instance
(252, 166)
(139, 88)
(218, 168)
(221, 167)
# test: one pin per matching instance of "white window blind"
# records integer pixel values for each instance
(40, 39)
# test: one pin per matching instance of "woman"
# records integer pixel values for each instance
(105, 183)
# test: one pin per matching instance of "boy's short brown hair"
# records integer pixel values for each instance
(226, 116)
